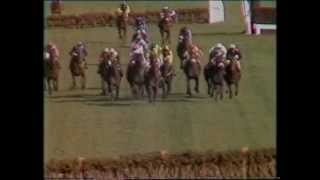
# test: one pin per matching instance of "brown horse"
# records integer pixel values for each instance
(135, 75)
(77, 68)
(111, 74)
(152, 79)
(51, 74)
(164, 25)
(232, 77)
(167, 73)
(182, 47)
(122, 23)
(214, 75)
(192, 70)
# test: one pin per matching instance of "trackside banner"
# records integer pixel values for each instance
(216, 11)
(246, 12)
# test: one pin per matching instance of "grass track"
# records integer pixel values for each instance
(81, 123)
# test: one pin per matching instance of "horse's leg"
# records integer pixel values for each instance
(103, 87)
(155, 93)
(49, 86)
(163, 87)
(188, 87)
(142, 87)
(162, 38)
(125, 31)
(84, 80)
(55, 84)
(148, 88)
(217, 92)
(196, 85)
(236, 84)
(221, 92)
(119, 31)
(117, 91)
(230, 90)
(110, 90)
(168, 38)
(169, 82)
(74, 84)
(210, 88)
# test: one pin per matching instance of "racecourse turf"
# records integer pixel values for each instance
(83, 123)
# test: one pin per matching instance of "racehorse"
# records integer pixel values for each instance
(164, 26)
(122, 23)
(135, 75)
(192, 70)
(214, 75)
(110, 73)
(182, 47)
(51, 74)
(77, 68)
(167, 73)
(232, 77)
(153, 78)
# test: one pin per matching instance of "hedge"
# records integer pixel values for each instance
(232, 164)
(196, 15)
(265, 15)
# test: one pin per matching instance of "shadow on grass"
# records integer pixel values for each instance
(99, 100)
(219, 34)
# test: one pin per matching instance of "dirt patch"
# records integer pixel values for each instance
(232, 164)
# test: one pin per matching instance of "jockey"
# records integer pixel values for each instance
(218, 59)
(166, 13)
(141, 42)
(140, 34)
(53, 51)
(185, 34)
(156, 50)
(137, 49)
(140, 24)
(215, 49)
(141, 28)
(105, 55)
(167, 54)
(234, 53)
(114, 55)
(80, 51)
(195, 53)
(46, 56)
(124, 9)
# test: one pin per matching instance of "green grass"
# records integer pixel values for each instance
(81, 123)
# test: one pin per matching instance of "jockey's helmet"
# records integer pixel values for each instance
(232, 46)
(153, 46)
(46, 55)
(112, 50)
(123, 5)
(194, 47)
(50, 44)
(219, 45)
(106, 50)
(166, 8)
